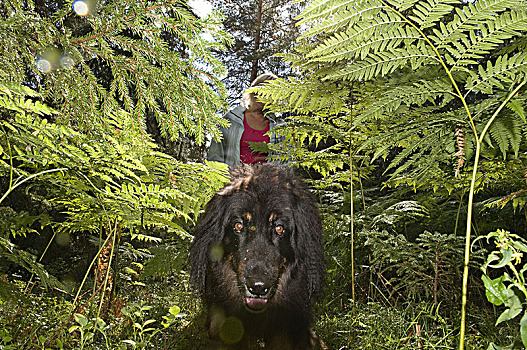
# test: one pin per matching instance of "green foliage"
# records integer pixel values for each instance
(105, 178)
(86, 327)
(34, 322)
(76, 95)
(447, 65)
(121, 58)
(435, 81)
(428, 269)
(27, 261)
(509, 289)
(376, 326)
(143, 328)
(166, 260)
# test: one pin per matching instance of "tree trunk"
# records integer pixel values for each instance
(257, 38)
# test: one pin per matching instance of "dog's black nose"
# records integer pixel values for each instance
(257, 288)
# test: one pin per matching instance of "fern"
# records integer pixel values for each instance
(377, 38)
(396, 36)
(28, 262)
(94, 181)
(504, 71)
(302, 96)
(399, 99)
(507, 132)
(428, 13)
(167, 259)
(476, 46)
(487, 39)
(383, 63)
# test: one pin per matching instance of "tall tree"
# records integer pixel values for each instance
(261, 29)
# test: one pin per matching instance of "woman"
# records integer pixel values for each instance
(248, 123)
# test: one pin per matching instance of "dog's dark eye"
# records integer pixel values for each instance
(238, 226)
(279, 229)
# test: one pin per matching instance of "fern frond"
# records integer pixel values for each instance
(504, 70)
(322, 9)
(516, 106)
(470, 17)
(384, 63)
(385, 32)
(27, 261)
(438, 92)
(345, 15)
(402, 5)
(303, 96)
(507, 132)
(489, 36)
(427, 13)
(167, 259)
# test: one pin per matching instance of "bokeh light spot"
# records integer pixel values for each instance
(231, 330)
(81, 8)
(63, 239)
(44, 65)
(66, 62)
(216, 252)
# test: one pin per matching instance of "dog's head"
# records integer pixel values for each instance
(263, 227)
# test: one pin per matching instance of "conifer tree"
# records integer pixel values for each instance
(260, 29)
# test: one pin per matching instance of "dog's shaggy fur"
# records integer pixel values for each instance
(257, 261)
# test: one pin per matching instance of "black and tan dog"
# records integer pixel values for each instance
(257, 261)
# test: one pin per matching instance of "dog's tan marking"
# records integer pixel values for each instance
(236, 185)
(272, 217)
(248, 216)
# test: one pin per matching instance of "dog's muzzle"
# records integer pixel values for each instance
(258, 289)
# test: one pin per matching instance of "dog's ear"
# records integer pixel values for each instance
(307, 238)
(208, 234)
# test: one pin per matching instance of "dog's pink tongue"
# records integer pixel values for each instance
(255, 303)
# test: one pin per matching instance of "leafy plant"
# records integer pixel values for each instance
(449, 65)
(86, 329)
(143, 329)
(427, 269)
(509, 289)
(79, 95)
(118, 60)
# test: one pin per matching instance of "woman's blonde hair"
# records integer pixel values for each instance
(248, 98)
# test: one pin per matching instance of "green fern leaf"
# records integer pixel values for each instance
(167, 260)
(402, 5)
(427, 13)
(516, 106)
(342, 14)
(27, 261)
(504, 70)
(385, 63)
(489, 36)
(323, 9)
(507, 132)
(470, 17)
(438, 92)
(385, 32)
